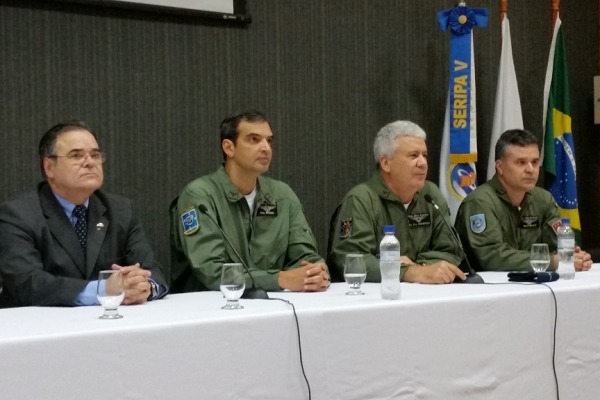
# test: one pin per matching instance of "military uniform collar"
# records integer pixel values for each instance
(384, 192)
(263, 189)
(501, 191)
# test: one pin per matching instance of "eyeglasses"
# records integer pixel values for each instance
(78, 157)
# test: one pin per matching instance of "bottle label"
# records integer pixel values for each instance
(569, 243)
(390, 256)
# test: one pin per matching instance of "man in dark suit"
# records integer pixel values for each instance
(55, 240)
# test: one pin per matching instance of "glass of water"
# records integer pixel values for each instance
(355, 272)
(539, 257)
(233, 283)
(110, 293)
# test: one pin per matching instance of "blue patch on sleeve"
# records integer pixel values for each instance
(189, 221)
(478, 224)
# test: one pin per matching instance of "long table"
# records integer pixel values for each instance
(492, 341)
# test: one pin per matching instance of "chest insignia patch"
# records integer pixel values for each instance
(267, 210)
(529, 222)
(416, 220)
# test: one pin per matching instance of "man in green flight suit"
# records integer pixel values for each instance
(261, 219)
(501, 219)
(395, 195)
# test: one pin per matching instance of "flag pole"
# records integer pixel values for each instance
(503, 7)
(555, 8)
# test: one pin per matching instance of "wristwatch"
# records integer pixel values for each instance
(153, 290)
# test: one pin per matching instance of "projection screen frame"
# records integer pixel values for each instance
(239, 14)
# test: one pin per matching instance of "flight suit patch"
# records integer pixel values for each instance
(416, 220)
(529, 222)
(345, 228)
(556, 225)
(267, 210)
(189, 222)
(478, 224)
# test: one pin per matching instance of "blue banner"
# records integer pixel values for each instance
(461, 21)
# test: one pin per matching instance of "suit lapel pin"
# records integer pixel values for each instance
(99, 226)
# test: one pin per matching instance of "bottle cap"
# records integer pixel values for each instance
(566, 221)
(389, 229)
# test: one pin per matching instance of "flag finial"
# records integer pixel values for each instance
(503, 9)
(555, 10)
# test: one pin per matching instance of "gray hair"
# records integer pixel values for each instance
(385, 141)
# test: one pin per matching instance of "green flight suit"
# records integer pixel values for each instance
(275, 237)
(497, 235)
(357, 227)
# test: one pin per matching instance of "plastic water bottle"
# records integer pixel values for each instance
(389, 264)
(566, 248)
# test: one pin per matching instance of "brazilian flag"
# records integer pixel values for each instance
(559, 149)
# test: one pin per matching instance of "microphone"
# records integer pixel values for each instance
(256, 292)
(546, 276)
(472, 276)
(530, 276)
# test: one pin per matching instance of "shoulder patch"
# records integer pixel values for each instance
(556, 225)
(345, 228)
(189, 221)
(478, 224)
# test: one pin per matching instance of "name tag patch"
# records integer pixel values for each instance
(529, 222)
(415, 220)
(267, 210)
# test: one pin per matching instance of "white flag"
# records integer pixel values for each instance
(507, 114)
(458, 180)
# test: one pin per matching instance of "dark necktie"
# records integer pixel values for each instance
(81, 225)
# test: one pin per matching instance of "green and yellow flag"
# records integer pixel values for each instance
(558, 147)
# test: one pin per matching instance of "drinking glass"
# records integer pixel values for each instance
(540, 257)
(233, 283)
(355, 272)
(111, 292)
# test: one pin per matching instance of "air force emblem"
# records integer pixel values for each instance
(478, 223)
(189, 221)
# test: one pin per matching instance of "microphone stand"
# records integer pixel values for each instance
(472, 276)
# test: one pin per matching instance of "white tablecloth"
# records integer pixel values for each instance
(437, 342)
